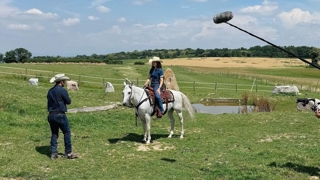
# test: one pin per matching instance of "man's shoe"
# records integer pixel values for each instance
(72, 155)
(54, 156)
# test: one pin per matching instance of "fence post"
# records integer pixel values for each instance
(316, 89)
(26, 73)
(236, 87)
(103, 84)
(194, 87)
(215, 87)
(137, 81)
(256, 87)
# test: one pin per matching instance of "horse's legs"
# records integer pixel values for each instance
(147, 135)
(179, 112)
(143, 122)
(170, 114)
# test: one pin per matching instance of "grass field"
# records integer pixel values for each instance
(236, 62)
(282, 144)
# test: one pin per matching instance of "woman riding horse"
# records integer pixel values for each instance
(156, 76)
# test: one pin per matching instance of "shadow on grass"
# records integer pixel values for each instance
(45, 150)
(168, 160)
(133, 137)
(312, 171)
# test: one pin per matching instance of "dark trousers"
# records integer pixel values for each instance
(59, 121)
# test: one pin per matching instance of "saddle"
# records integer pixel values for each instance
(166, 97)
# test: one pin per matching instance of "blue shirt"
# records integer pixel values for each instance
(58, 97)
(155, 75)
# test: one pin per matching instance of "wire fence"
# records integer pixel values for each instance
(258, 85)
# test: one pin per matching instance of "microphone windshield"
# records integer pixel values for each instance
(223, 17)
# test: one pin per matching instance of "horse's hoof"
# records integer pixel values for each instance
(144, 141)
(148, 142)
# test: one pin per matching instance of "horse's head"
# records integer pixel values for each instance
(127, 92)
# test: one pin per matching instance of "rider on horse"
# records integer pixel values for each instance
(156, 77)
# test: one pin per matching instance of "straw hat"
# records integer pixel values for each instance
(59, 77)
(154, 59)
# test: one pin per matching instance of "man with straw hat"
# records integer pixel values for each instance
(58, 98)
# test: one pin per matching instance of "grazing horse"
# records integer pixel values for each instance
(138, 98)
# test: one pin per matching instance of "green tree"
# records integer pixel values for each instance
(19, 55)
(314, 53)
(10, 57)
(23, 55)
(1, 58)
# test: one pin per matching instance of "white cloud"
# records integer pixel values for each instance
(162, 33)
(37, 14)
(296, 16)
(243, 20)
(59, 31)
(141, 2)
(37, 26)
(92, 18)
(122, 19)
(97, 2)
(115, 30)
(70, 21)
(19, 27)
(97, 36)
(6, 10)
(227, 36)
(102, 9)
(34, 11)
(162, 25)
(138, 25)
(266, 8)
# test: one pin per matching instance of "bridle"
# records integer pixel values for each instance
(138, 105)
(140, 101)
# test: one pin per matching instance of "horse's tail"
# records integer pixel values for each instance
(187, 105)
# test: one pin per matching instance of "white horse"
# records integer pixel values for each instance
(136, 97)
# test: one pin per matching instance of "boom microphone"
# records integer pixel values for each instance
(223, 17)
(226, 16)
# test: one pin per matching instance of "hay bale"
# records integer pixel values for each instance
(170, 80)
(292, 90)
(72, 85)
(34, 81)
(109, 87)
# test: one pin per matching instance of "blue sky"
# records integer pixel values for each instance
(77, 27)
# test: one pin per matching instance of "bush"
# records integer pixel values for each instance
(139, 63)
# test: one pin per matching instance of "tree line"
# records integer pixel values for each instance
(21, 55)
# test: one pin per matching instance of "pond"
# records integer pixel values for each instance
(222, 109)
(222, 106)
